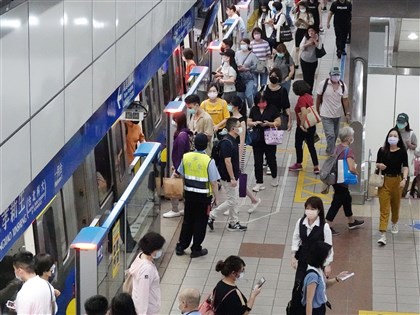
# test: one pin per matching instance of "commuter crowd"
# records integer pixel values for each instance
(248, 104)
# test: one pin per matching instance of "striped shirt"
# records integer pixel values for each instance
(261, 49)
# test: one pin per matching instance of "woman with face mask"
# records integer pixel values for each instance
(233, 13)
(308, 59)
(284, 62)
(410, 140)
(342, 197)
(261, 117)
(226, 74)
(308, 230)
(46, 269)
(392, 160)
(146, 281)
(261, 49)
(188, 58)
(217, 109)
(303, 19)
(228, 299)
(247, 62)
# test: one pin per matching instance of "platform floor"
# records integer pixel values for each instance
(386, 278)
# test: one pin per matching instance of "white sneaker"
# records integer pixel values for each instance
(382, 240)
(275, 182)
(268, 171)
(181, 212)
(258, 187)
(172, 214)
(394, 228)
(254, 206)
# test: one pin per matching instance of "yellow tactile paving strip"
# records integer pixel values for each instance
(384, 313)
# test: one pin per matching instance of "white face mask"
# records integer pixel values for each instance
(240, 130)
(226, 59)
(158, 254)
(303, 10)
(351, 140)
(392, 140)
(241, 275)
(212, 95)
(173, 123)
(257, 36)
(335, 78)
(311, 214)
(18, 277)
(244, 47)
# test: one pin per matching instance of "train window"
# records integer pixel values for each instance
(157, 104)
(148, 100)
(48, 232)
(166, 82)
(119, 143)
(103, 169)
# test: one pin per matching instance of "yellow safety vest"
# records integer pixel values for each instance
(196, 174)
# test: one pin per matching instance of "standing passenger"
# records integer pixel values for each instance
(392, 161)
(285, 63)
(341, 9)
(261, 49)
(122, 304)
(303, 19)
(188, 301)
(96, 305)
(146, 288)
(46, 268)
(226, 74)
(188, 57)
(134, 134)
(200, 182)
(247, 62)
(308, 60)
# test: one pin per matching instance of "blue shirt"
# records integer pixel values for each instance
(213, 172)
(318, 278)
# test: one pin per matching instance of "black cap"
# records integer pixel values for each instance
(228, 52)
(201, 141)
(402, 118)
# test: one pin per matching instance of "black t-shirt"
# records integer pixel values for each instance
(270, 114)
(229, 148)
(342, 12)
(278, 98)
(394, 161)
(232, 304)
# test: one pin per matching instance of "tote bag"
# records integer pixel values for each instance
(376, 180)
(344, 176)
(273, 136)
(312, 117)
(173, 187)
(285, 33)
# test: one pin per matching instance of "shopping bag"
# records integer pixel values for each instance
(376, 180)
(312, 117)
(243, 178)
(344, 176)
(173, 187)
(285, 33)
(273, 136)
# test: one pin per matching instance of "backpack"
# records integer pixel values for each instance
(295, 307)
(328, 173)
(215, 151)
(341, 83)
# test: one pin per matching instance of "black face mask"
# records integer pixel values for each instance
(274, 80)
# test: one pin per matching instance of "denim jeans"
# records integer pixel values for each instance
(248, 95)
(331, 127)
(286, 84)
(231, 203)
(288, 18)
(263, 80)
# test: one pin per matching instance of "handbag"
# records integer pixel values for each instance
(273, 136)
(285, 33)
(284, 119)
(344, 176)
(376, 180)
(261, 66)
(207, 306)
(243, 179)
(320, 52)
(312, 117)
(173, 187)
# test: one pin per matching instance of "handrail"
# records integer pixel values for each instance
(358, 95)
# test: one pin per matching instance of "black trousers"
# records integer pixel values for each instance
(341, 197)
(322, 310)
(196, 214)
(270, 153)
(308, 71)
(341, 34)
(308, 137)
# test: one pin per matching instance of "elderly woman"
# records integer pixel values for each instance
(342, 197)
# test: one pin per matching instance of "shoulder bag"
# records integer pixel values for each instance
(207, 306)
(285, 33)
(312, 117)
(376, 180)
(344, 176)
(320, 52)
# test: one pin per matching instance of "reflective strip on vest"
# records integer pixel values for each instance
(196, 175)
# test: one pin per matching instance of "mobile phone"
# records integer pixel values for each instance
(347, 276)
(10, 304)
(261, 282)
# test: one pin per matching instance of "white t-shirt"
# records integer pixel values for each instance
(228, 72)
(331, 106)
(35, 297)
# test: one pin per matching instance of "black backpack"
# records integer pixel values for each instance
(215, 151)
(295, 307)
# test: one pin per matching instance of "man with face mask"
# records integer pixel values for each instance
(36, 295)
(229, 172)
(332, 103)
(341, 9)
(188, 301)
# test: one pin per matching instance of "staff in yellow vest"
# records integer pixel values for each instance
(200, 183)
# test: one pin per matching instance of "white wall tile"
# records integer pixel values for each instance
(48, 124)
(143, 7)
(143, 41)
(173, 7)
(126, 51)
(78, 103)
(77, 37)
(407, 100)
(126, 15)
(103, 26)
(15, 166)
(159, 13)
(46, 41)
(14, 74)
(103, 77)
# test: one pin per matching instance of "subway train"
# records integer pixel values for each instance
(98, 182)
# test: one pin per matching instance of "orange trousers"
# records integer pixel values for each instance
(389, 201)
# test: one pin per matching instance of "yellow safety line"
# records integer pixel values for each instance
(307, 178)
(384, 313)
